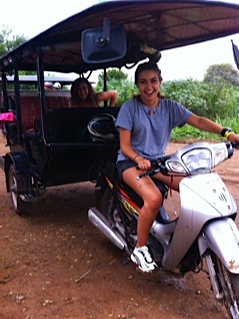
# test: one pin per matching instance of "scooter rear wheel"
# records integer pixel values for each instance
(108, 206)
(123, 224)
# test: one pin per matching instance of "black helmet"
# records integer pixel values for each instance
(102, 128)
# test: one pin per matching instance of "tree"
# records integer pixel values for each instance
(7, 44)
(221, 73)
(117, 80)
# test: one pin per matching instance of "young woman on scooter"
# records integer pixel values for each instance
(145, 124)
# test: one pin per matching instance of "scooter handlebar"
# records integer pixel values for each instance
(158, 165)
(230, 148)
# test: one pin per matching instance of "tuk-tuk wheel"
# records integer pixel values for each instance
(16, 200)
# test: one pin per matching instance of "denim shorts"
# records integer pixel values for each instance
(123, 165)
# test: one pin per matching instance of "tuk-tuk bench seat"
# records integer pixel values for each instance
(30, 110)
(29, 104)
(69, 125)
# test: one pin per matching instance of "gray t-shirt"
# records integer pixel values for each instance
(150, 131)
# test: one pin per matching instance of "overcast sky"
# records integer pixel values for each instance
(29, 18)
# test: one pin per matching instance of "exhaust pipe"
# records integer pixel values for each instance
(100, 222)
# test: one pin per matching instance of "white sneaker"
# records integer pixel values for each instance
(143, 259)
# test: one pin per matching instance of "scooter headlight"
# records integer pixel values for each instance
(198, 160)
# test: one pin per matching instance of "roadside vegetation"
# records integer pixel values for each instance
(216, 97)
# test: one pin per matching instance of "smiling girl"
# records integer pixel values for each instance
(145, 124)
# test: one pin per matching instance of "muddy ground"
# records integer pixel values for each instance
(55, 264)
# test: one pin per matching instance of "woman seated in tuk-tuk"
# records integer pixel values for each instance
(83, 95)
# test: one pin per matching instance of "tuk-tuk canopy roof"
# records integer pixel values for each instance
(149, 25)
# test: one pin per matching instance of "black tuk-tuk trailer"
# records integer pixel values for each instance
(49, 143)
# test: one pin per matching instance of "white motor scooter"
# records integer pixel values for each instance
(204, 230)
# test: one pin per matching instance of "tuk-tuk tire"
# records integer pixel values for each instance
(18, 204)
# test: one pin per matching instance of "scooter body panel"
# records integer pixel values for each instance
(209, 200)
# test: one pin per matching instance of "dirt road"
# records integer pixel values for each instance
(55, 264)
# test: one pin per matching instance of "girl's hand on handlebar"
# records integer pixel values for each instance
(234, 138)
(154, 168)
(143, 164)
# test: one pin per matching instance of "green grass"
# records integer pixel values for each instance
(188, 133)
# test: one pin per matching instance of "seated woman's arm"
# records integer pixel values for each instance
(107, 95)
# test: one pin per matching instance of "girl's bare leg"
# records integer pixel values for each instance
(152, 199)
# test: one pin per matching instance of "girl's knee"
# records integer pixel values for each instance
(154, 201)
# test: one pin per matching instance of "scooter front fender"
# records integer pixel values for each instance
(222, 237)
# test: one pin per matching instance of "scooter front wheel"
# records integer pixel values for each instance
(229, 284)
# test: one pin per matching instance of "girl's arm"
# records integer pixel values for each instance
(204, 124)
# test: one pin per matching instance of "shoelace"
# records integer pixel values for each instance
(147, 256)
